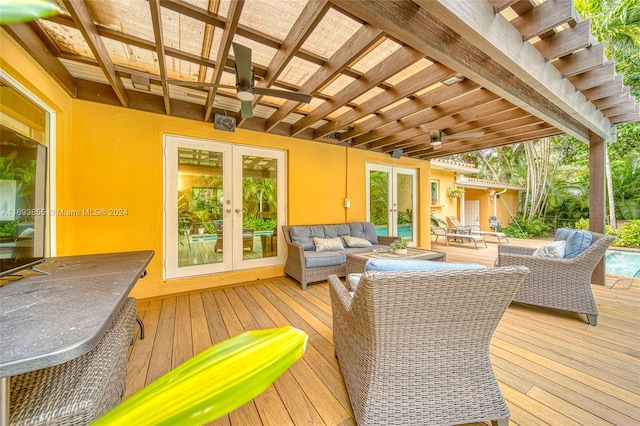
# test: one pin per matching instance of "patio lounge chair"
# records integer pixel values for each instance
(247, 237)
(475, 230)
(563, 283)
(457, 235)
(413, 346)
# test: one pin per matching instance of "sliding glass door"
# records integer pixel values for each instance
(223, 206)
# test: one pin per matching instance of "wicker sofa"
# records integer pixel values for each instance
(413, 346)
(563, 283)
(306, 265)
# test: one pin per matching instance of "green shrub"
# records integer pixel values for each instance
(626, 235)
(259, 224)
(537, 228)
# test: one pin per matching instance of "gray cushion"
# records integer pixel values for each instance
(577, 241)
(396, 265)
(340, 230)
(304, 234)
(366, 230)
(314, 259)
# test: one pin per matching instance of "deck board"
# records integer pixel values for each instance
(552, 367)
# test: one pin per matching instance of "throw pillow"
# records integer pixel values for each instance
(577, 241)
(555, 249)
(328, 244)
(397, 265)
(357, 242)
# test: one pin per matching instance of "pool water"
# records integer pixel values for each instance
(623, 262)
(404, 230)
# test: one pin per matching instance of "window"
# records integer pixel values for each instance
(435, 190)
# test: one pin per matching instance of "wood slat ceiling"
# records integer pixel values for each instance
(527, 69)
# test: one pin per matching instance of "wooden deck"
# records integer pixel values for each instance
(552, 366)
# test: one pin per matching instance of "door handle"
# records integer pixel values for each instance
(238, 210)
(228, 210)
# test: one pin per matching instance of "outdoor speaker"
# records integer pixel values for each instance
(396, 153)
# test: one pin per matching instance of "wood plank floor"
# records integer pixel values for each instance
(553, 367)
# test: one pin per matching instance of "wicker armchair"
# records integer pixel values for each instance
(413, 347)
(563, 284)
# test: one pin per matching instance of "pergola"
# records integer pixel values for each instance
(421, 78)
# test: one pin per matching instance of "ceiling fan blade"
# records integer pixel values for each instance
(466, 135)
(243, 64)
(294, 96)
(198, 84)
(245, 109)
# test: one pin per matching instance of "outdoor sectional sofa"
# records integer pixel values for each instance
(306, 265)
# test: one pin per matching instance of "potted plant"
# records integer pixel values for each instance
(455, 192)
(399, 246)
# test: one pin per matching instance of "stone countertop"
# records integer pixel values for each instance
(50, 319)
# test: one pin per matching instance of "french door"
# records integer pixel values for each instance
(223, 204)
(392, 201)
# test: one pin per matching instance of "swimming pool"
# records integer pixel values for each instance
(404, 230)
(623, 262)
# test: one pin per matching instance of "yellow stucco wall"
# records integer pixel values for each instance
(111, 158)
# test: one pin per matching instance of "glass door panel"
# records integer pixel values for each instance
(194, 210)
(379, 185)
(262, 194)
(405, 196)
(392, 201)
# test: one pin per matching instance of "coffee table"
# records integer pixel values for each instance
(356, 261)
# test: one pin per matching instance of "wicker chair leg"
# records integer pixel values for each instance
(141, 324)
(500, 422)
(593, 319)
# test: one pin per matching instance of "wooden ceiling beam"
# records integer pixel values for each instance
(594, 78)
(544, 17)
(480, 112)
(606, 90)
(430, 106)
(616, 100)
(500, 5)
(28, 39)
(207, 38)
(84, 22)
(626, 118)
(360, 42)
(307, 21)
(566, 41)
(233, 17)
(469, 38)
(501, 142)
(156, 20)
(423, 102)
(582, 61)
(439, 117)
(501, 125)
(620, 109)
(421, 80)
(392, 64)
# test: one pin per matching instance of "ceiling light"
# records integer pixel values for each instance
(245, 95)
(452, 80)
(141, 83)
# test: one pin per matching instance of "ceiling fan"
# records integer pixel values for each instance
(245, 83)
(437, 137)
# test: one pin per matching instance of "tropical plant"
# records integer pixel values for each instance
(627, 234)
(523, 228)
(405, 216)
(378, 195)
(214, 382)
